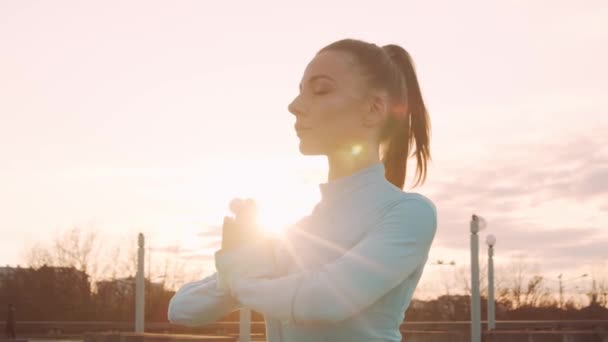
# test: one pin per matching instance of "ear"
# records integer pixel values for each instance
(377, 111)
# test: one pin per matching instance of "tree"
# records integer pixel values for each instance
(75, 247)
(520, 285)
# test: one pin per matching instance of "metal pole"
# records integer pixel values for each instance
(245, 325)
(561, 292)
(140, 287)
(475, 295)
(491, 307)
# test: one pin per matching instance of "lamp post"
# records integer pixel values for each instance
(140, 287)
(477, 224)
(245, 325)
(491, 241)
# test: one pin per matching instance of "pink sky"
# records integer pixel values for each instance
(149, 116)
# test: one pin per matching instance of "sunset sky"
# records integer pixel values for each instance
(128, 116)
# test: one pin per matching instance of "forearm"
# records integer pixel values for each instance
(200, 302)
(302, 298)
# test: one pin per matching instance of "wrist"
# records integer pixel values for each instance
(254, 259)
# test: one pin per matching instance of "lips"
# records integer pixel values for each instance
(300, 128)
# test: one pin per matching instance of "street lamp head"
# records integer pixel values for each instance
(491, 240)
(478, 224)
(474, 224)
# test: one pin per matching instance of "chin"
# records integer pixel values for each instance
(309, 150)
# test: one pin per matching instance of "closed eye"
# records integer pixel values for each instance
(317, 77)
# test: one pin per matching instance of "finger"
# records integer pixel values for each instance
(249, 208)
(251, 204)
(236, 205)
(228, 221)
(229, 232)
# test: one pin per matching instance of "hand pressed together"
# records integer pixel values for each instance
(243, 228)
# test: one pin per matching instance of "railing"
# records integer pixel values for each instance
(78, 328)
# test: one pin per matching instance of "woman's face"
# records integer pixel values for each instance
(330, 107)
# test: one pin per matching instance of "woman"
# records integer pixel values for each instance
(347, 271)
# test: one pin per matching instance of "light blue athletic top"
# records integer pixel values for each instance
(346, 272)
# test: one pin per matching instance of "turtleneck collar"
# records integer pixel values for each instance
(334, 188)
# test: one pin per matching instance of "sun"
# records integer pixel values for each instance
(274, 221)
(283, 204)
(282, 193)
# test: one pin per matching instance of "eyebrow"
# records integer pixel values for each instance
(316, 77)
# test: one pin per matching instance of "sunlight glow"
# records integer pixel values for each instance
(282, 197)
(276, 214)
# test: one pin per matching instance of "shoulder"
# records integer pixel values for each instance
(414, 198)
(393, 195)
(412, 213)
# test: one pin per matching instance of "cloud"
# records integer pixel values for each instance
(211, 231)
(212, 238)
(552, 243)
(210, 241)
(575, 168)
(595, 182)
(213, 243)
(582, 251)
(524, 191)
(198, 257)
(173, 249)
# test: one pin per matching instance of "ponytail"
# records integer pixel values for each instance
(410, 123)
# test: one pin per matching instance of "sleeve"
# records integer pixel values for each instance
(200, 302)
(344, 287)
(264, 258)
(207, 300)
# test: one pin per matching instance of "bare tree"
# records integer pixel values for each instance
(598, 294)
(449, 276)
(536, 292)
(37, 256)
(86, 250)
(73, 248)
(111, 257)
(127, 266)
(520, 285)
(463, 276)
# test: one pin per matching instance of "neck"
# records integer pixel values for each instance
(350, 159)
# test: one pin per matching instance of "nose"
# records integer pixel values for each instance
(294, 107)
